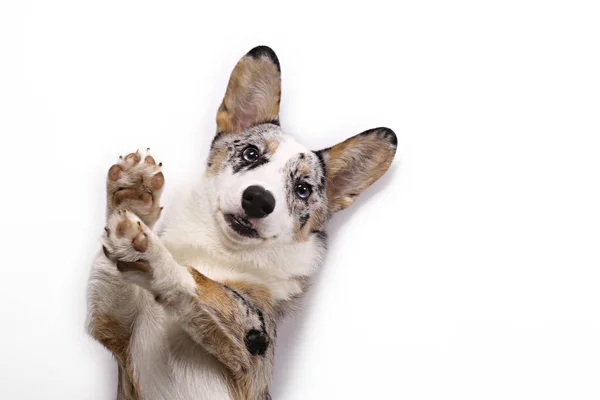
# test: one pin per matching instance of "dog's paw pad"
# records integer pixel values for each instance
(115, 172)
(133, 159)
(149, 160)
(136, 185)
(126, 237)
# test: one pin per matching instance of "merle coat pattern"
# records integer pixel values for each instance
(190, 310)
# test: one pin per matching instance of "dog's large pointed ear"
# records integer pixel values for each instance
(355, 164)
(253, 92)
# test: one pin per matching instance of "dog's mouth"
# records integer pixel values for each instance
(241, 226)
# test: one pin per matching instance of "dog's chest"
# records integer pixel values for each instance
(169, 365)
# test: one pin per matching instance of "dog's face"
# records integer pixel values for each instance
(267, 187)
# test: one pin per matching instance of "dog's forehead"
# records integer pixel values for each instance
(288, 149)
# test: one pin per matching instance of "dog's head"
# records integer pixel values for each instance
(266, 186)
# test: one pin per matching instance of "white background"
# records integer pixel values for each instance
(471, 271)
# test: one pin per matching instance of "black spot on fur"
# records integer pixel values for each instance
(237, 295)
(389, 135)
(385, 132)
(245, 166)
(261, 161)
(273, 122)
(303, 220)
(260, 51)
(319, 155)
(321, 237)
(252, 308)
(217, 136)
(261, 318)
(256, 342)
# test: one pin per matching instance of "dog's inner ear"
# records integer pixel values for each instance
(253, 92)
(355, 164)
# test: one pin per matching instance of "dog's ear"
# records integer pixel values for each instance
(355, 164)
(253, 92)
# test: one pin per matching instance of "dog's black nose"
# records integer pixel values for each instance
(258, 202)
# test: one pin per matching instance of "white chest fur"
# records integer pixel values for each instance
(192, 235)
(169, 364)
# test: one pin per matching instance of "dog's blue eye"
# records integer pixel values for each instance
(250, 154)
(303, 190)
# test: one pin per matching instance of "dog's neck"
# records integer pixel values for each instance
(191, 233)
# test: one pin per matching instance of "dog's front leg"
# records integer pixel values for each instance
(134, 183)
(233, 321)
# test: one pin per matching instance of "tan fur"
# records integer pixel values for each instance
(127, 389)
(233, 320)
(304, 168)
(116, 338)
(316, 222)
(211, 293)
(246, 378)
(112, 335)
(258, 293)
(272, 146)
(353, 166)
(252, 95)
(216, 161)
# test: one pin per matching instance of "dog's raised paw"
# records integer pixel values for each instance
(126, 237)
(135, 183)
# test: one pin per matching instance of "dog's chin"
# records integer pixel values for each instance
(239, 228)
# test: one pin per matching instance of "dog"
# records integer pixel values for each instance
(190, 310)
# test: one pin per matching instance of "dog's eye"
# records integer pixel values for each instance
(303, 190)
(250, 154)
